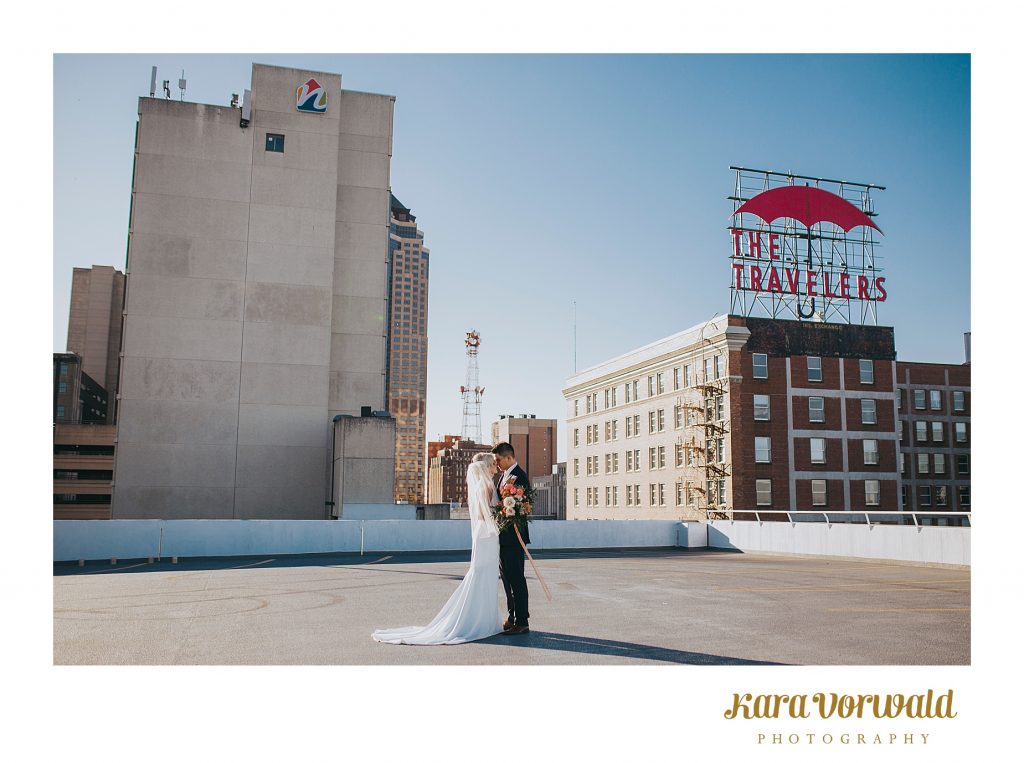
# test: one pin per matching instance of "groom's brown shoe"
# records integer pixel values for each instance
(515, 630)
(507, 625)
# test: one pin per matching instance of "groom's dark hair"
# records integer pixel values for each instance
(503, 449)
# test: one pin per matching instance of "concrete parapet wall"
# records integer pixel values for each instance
(134, 539)
(928, 544)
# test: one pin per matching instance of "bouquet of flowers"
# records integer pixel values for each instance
(515, 504)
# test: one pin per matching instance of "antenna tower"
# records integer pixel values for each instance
(471, 391)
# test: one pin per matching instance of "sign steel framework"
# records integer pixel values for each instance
(816, 256)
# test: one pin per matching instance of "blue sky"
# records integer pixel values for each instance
(543, 179)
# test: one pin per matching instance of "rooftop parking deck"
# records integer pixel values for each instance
(611, 606)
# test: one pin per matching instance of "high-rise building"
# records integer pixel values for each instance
(742, 414)
(256, 298)
(94, 326)
(447, 475)
(534, 441)
(408, 279)
(77, 397)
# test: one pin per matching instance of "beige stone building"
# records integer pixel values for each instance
(256, 296)
(642, 442)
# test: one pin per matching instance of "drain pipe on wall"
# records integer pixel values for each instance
(334, 432)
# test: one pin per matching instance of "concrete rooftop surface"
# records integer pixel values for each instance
(611, 606)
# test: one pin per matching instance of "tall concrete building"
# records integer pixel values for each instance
(94, 326)
(256, 298)
(534, 440)
(77, 397)
(408, 279)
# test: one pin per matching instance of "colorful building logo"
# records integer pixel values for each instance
(311, 97)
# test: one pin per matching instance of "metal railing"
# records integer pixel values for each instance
(806, 514)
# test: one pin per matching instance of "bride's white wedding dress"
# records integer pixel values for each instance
(473, 611)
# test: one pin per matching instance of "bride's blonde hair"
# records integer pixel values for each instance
(486, 458)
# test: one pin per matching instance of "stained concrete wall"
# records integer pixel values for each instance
(236, 343)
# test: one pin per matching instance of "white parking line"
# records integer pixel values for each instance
(115, 569)
(251, 564)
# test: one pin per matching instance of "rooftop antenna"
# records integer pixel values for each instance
(152, 83)
(181, 85)
(167, 88)
(574, 336)
(471, 391)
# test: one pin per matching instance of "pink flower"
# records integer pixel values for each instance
(510, 512)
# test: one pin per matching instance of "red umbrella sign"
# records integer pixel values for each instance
(806, 205)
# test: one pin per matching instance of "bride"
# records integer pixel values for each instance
(472, 612)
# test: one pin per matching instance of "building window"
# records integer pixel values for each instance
(941, 495)
(650, 386)
(964, 495)
(819, 495)
(661, 419)
(961, 431)
(903, 463)
(764, 492)
(651, 415)
(922, 463)
(904, 496)
(64, 372)
(575, 467)
(867, 412)
(629, 426)
(679, 455)
(871, 452)
(629, 495)
(688, 375)
(60, 411)
(924, 495)
(676, 378)
(760, 365)
(813, 369)
(576, 407)
(963, 464)
(652, 458)
(654, 495)
(677, 416)
(919, 399)
(608, 495)
(871, 492)
(629, 395)
(762, 408)
(615, 495)
(661, 383)
(719, 366)
(921, 431)
(816, 410)
(661, 456)
(62, 387)
(958, 400)
(940, 463)
(867, 372)
(938, 431)
(576, 438)
(899, 400)
(275, 143)
(607, 398)
(817, 450)
(762, 450)
(936, 400)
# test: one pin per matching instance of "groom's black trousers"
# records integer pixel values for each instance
(512, 566)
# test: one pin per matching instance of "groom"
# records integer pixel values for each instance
(511, 555)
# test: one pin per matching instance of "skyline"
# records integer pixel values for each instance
(559, 170)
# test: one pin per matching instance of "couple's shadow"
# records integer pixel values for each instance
(565, 642)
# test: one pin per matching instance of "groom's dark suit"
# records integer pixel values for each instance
(512, 560)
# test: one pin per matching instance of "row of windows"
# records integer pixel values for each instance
(925, 399)
(935, 463)
(867, 368)
(682, 377)
(714, 411)
(936, 495)
(937, 430)
(819, 492)
(685, 494)
(714, 452)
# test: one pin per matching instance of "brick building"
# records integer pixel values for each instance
(446, 479)
(740, 414)
(534, 441)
